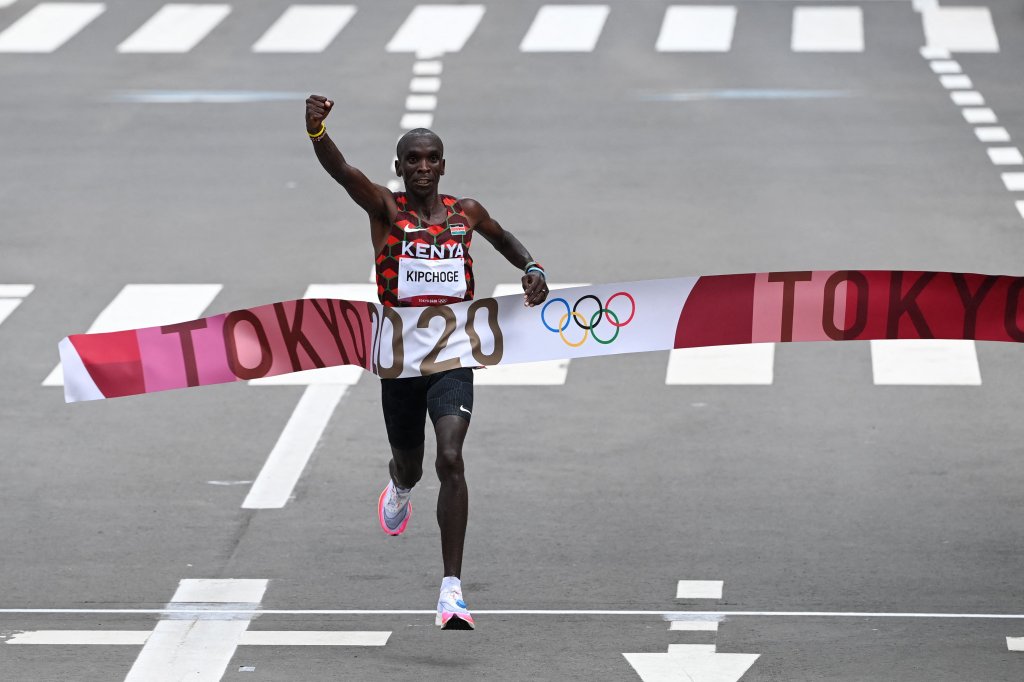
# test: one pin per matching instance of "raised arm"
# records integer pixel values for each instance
(372, 198)
(535, 286)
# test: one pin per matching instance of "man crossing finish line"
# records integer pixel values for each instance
(421, 243)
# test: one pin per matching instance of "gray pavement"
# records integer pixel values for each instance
(820, 493)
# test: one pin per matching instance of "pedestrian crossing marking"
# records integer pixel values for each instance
(175, 28)
(437, 28)
(148, 305)
(11, 296)
(925, 362)
(305, 28)
(741, 365)
(828, 29)
(697, 28)
(48, 25)
(546, 373)
(565, 28)
(960, 29)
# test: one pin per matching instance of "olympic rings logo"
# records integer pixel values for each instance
(589, 324)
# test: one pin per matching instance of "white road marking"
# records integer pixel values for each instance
(979, 115)
(547, 373)
(741, 365)
(565, 28)
(6, 3)
(248, 638)
(992, 134)
(291, 453)
(1014, 181)
(946, 66)
(148, 305)
(697, 28)
(828, 29)
(699, 589)
(692, 665)
(410, 121)
(175, 28)
(932, 52)
(666, 615)
(197, 649)
(436, 28)
(691, 648)
(956, 82)
(1020, 208)
(424, 84)
(967, 98)
(694, 625)
(305, 28)
(960, 29)
(11, 296)
(925, 362)
(421, 102)
(1005, 156)
(1015, 643)
(48, 25)
(427, 68)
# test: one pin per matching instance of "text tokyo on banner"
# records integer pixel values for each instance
(605, 319)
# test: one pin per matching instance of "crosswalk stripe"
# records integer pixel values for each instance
(565, 28)
(747, 365)
(547, 373)
(148, 305)
(11, 296)
(697, 28)
(925, 362)
(48, 25)
(992, 134)
(344, 375)
(1014, 181)
(436, 28)
(305, 28)
(828, 29)
(1005, 156)
(960, 29)
(175, 28)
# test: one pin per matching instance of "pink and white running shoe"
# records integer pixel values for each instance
(393, 510)
(452, 613)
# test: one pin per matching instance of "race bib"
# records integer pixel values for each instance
(423, 281)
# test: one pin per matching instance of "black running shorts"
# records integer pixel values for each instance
(406, 403)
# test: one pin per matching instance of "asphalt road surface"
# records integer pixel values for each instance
(838, 523)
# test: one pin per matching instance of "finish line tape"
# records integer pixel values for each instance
(604, 319)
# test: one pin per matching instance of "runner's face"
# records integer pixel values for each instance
(421, 165)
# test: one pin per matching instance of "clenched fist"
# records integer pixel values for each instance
(317, 108)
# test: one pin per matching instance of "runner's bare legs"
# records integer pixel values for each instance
(453, 498)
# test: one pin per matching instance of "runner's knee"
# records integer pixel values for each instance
(449, 463)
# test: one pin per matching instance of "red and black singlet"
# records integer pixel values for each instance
(423, 265)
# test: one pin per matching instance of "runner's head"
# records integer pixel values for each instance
(420, 161)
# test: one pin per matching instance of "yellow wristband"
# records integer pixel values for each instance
(319, 133)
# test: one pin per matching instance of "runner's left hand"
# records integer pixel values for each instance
(535, 288)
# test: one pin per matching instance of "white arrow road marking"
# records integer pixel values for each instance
(694, 666)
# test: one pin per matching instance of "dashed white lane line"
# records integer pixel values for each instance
(416, 120)
(976, 115)
(175, 28)
(305, 28)
(699, 589)
(1014, 181)
(967, 98)
(565, 28)
(11, 296)
(1005, 156)
(48, 25)
(694, 625)
(1015, 643)
(992, 134)
(444, 28)
(956, 82)
(960, 29)
(421, 102)
(547, 373)
(925, 362)
(147, 305)
(1020, 208)
(431, 67)
(945, 66)
(697, 28)
(424, 84)
(828, 29)
(743, 365)
(197, 649)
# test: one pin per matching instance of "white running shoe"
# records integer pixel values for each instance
(393, 510)
(452, 613)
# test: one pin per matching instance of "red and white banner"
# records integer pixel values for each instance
(603, 319)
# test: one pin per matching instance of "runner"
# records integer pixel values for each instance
(403, 226)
